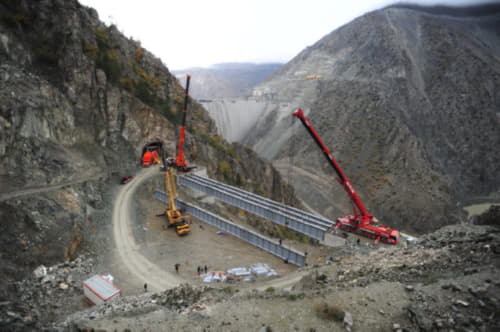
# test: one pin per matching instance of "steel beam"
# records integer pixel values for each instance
(300, 221)
(286, 253)
(306, 217)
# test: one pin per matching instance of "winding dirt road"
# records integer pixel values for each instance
(141, 269)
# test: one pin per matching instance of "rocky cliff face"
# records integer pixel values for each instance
(79, 101)
(407, 100)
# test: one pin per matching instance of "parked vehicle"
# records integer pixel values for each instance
(126, 179)
(151, 153)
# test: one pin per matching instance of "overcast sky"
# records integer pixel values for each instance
(189, 33)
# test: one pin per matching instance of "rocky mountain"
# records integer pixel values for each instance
(227, 80)
(407, 98)
(79, 101)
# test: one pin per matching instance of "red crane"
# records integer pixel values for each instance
(362, 222)
(179, 162)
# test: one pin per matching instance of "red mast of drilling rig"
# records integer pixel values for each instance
(179, 162)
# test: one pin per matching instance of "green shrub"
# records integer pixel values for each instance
(225, 169)
(216, 142)
(102, 37)
(127, 84)
(230, 151)
(105, 58)
(179, 101)
(239, 181)
(139, 53)
(46, 55)
(329, 311)
(165, 109)
(14, 19)
(144, 93)
(228, 289)
(141, 86)
(111, 66)
(295, 297)
(91, 51)
(270, 289)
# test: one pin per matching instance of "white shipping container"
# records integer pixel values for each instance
(99, 290)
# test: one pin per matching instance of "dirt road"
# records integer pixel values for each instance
(141, 269)
(34, 190)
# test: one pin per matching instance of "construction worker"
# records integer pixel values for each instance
(177, 267)
(145, 287)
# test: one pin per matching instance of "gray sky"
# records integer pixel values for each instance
(188, 33)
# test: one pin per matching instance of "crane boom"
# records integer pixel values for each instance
(362, 222)
(180, 162)
(176, 217)
(342, 178)
(170, 188)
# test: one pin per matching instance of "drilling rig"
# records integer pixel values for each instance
(179, 162)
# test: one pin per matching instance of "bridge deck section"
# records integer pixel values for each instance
(300, 221)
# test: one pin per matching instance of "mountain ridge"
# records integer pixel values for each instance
(228, 80)
(399, 103)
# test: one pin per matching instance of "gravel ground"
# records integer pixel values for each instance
(444, 282)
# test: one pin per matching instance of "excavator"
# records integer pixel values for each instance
(179, 162)
(362, 222)
(176, 217)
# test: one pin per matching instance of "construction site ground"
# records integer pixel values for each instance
(205, 245)
(446, 279)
